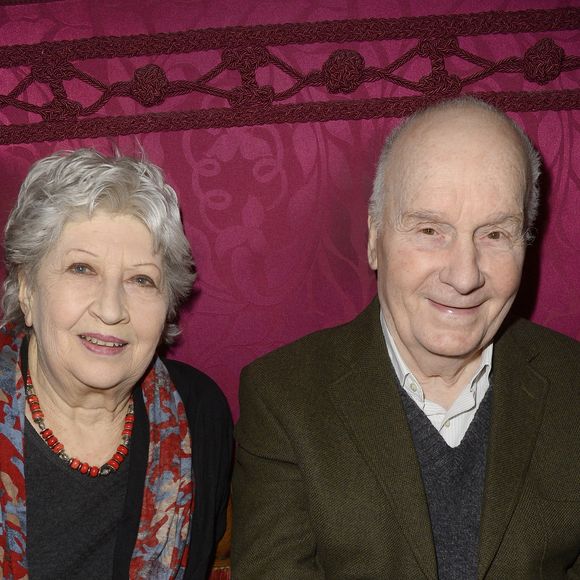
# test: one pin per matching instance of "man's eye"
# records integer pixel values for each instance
(494, 235)
(428, 231)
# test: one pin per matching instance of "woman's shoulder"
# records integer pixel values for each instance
(198, 391)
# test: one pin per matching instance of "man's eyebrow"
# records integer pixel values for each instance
(426, 215)
(503, 217)
(423, 215)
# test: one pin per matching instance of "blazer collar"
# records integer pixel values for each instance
(366, 397)
(519, 393)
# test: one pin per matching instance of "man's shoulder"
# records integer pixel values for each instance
(539, 345)
(320, 348)
(534, 336)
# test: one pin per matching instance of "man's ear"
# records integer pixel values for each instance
(25, 298)
(372, 244)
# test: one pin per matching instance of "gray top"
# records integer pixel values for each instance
(71, 518)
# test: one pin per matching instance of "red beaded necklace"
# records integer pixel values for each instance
(57, 447)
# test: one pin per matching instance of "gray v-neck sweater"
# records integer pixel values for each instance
(453, 478)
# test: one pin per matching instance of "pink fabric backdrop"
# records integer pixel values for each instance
(276, 213)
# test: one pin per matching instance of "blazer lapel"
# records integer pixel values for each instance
(366, 397)
(518, 404)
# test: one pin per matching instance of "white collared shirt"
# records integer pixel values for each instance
(452, 423)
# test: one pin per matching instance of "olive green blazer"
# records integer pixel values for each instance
(327, 483)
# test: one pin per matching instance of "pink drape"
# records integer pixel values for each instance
(270, 136)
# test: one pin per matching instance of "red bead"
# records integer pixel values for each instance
(58, 448)
(126, 431)
(84, 468)
(114, 464)
(94, 471)
(37, 415)
(51, 441)
(35, 407)
(32, 399)
(123, 449)
(75, 463)
(119, 457)
(130, 419)
(46, 433)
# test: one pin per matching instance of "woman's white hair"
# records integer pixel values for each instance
(532, 193)
(70, 184)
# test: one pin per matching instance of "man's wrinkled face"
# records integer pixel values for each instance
(450, 251)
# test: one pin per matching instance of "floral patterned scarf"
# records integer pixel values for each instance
(162, 542)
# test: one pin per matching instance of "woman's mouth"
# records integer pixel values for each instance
(102, 344)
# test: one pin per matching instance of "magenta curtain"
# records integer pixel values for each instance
(269, 131)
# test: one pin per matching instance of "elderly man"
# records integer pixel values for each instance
(431, 437)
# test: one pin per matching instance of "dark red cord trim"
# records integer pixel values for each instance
(301, 113)
(245, 50)
(15, 2)
(480, 23)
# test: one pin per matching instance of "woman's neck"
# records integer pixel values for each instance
(87, 421)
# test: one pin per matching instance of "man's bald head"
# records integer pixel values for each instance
(462, 122)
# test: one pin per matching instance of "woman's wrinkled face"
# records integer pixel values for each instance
(97, 307)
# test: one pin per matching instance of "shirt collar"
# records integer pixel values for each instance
(478, 384)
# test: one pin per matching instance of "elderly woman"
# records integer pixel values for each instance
(114, 462)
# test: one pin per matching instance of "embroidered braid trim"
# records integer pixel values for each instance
(246, 50)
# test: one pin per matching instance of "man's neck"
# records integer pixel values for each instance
(441, 378)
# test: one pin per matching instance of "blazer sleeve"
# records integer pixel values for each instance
(272, 536)
(210, 426)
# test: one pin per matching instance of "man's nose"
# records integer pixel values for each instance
(109, 304)
(462, 268)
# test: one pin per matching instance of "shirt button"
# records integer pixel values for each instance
(414, 387)
(447, 423)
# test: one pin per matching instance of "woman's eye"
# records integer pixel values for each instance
(80, 269)
(494, 235)
(428, 231)
(144, 281)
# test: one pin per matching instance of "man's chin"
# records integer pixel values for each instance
(460, 346)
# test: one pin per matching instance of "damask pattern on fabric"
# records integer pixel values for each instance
(268, 116)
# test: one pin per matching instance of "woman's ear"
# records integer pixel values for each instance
(25, 298)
